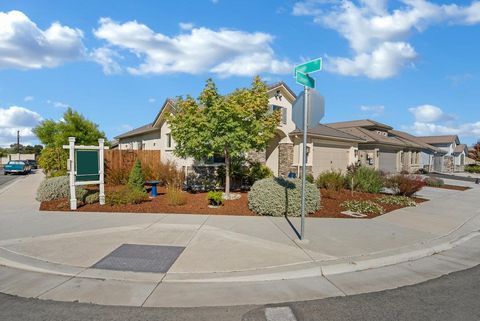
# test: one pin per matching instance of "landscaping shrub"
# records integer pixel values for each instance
(472, 169)
(92, 198)
(175, 196)
(278, 197)
(216, 197)
(136, 179)
(366, 180)
(56, 188)
(434, 182)
(403, 201)
(258, 171)
(116, 176)
(404, 184)
(53, 161)
(331, 180)
(309, 178)
(167, 173)
(125, 196)
(363, 207)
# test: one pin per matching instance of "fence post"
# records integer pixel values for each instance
(101, 155)
(71, 165)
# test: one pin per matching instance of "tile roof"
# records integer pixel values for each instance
(459, 148)
(414, 139)
(329, 132)
(137, 131)
(444, 139)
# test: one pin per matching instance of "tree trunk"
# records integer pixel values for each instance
(227, 174)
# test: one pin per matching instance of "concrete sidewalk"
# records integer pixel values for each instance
(231, 260)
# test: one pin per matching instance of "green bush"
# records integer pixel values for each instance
(57, 188)
(434, 182)
(363, 207)
(331, 180)
(309, 178)
(92, 198)
(258, 171)
(125, 196)
(175, 196)
(136, 179)
(404, 184)
(278, 197)
(216, 196)
(396, 200)
(472, 169)
(53, 161)
(366, 180)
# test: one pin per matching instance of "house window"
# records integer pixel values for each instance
(215, 159)
(169, 140)
(283, 112)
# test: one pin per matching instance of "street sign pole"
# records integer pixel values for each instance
(304, 161)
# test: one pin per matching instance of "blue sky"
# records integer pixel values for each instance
(412, 64)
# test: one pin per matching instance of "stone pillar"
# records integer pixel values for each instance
(257, 156)
(285, 158)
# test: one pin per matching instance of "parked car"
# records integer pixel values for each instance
(32, 163)
(16, 166)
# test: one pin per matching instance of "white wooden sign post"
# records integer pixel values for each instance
(85, 166)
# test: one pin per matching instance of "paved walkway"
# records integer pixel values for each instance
(231, 260)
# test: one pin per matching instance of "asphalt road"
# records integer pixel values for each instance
(7, 178)
(452, 297)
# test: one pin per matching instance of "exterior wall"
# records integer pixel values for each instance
(147, 141)
(5, 160)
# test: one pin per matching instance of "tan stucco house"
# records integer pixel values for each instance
(328, 148)
(455, 153)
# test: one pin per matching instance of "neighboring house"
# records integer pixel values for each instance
(384, 148)
(455, 153)
(328, 148)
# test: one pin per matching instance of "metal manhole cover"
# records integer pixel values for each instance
(140, 258)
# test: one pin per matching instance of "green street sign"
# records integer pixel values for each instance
(310, 66)
(87, 165)
(304, 80)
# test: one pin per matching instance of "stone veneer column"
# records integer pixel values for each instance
(285, 158)
(257, 156)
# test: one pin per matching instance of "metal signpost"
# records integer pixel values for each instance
(302, 77)
(85, 165)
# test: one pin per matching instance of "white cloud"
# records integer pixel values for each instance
(28, 98)
(151, 100)
(57, 104)
(373, 110)
(23, 45)
(226, 52)
(374, 32)
(186, 25)
(429, 114)
(16, 118)
(106, 58)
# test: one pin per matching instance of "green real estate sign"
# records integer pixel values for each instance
(87, 163)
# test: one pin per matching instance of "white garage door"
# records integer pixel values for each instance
(388, 162)
(327, 158)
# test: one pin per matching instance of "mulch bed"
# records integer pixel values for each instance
(452, 187)
(198, 204)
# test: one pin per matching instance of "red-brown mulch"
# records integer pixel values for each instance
(198, 204)
(452, 187)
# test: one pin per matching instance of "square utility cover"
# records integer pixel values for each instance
(141, 258)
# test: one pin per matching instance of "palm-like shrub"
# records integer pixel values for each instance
(136, 180)
(278, 197)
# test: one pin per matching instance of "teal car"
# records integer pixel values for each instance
(16, 166)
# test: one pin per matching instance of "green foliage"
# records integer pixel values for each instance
(259, 171)
(278, 197)
(125, 196)
(363, 207)
(403, 201)
(434, 182)
(365, 180)
(92, 198)
(54, 134)
(53, 160)
(28, 149)
(331, 180)
(216, 197)
(472, 169)
(175, 196)
(228, 125)
(309, 178)
(404, 184)
(136, 179)
(57, 188)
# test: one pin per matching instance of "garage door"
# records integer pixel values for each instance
(328, 157)
(388, 162)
